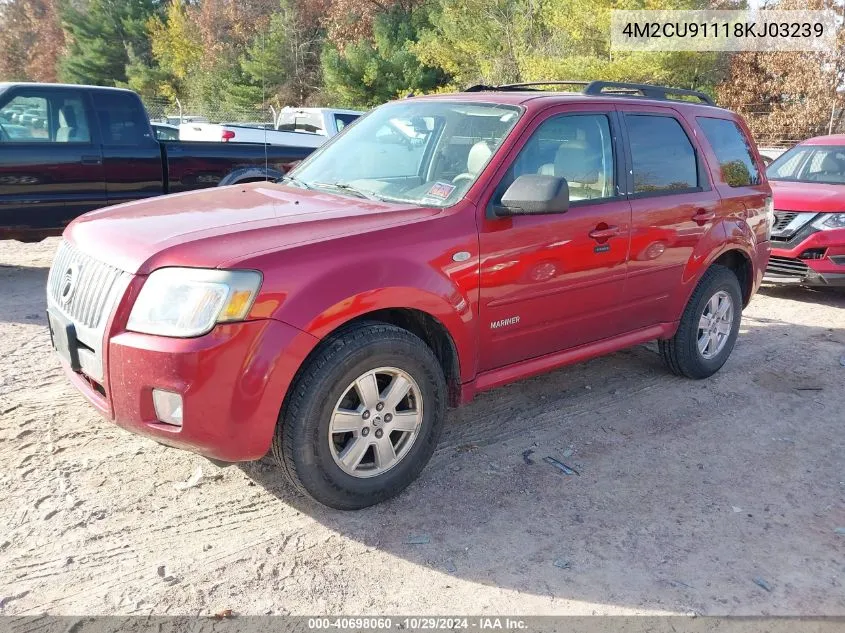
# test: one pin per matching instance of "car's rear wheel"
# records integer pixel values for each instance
(363, 416)
(709, 326)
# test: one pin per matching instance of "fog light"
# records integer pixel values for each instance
(168, 406)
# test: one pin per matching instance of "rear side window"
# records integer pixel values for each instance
(342, 120)
(166, 133)
(122, 119)
(733, 151)
(663, 157)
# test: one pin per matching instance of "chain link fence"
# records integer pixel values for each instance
(791, 134)
(174, 111)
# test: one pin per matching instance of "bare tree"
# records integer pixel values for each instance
(31, 40)
(787, 96)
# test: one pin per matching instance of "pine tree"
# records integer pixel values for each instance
(105, 37)
(371, 71)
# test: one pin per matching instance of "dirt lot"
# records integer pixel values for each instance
(691, 495)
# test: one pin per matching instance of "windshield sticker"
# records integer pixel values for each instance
(441, 190)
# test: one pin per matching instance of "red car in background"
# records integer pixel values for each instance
(808, 238)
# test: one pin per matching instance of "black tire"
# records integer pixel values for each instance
(301, 445)
(681, 353)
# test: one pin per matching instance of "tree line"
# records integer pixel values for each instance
(242, 54)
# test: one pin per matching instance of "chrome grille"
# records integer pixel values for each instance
(788, 223)
(786, 267)
(782, 219)
(85, 282)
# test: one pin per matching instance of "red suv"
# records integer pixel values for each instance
(808, 237)
(438, 247)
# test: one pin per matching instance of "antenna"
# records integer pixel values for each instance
(264, 97)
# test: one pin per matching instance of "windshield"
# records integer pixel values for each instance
(810, 163)
(422, 152)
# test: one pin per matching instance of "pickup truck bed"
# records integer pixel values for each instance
(66, 150)
(307, 127)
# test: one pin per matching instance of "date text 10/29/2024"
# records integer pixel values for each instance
(419, 624)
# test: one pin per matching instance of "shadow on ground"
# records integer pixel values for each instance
(822, 295)
(680, 503)
(16, 284)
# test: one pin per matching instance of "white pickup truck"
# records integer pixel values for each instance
(769, 154)
(297, 127)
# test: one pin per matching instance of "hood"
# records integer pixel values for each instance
(808, 196)
(218, 227)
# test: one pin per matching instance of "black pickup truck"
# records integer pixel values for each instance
(66, 149)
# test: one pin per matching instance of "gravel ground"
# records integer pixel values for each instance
(723, 496)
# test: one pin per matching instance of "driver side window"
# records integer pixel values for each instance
(44, 117)
(577, 147)
(25, 119)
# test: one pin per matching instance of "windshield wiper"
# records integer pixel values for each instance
(295, 181)
(347, 188)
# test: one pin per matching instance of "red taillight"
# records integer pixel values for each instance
(227, 136)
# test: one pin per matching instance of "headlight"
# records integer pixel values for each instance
(830, 221)
(185, 302)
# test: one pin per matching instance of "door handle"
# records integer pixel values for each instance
(702, 216)
(604, 233)
(91, 160)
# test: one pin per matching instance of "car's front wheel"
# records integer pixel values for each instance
(363, 417)
(709, 326)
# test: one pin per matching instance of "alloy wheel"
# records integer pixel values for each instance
(715, 324)
(375, 422)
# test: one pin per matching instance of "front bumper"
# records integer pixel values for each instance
(812, 258)
(232, 381)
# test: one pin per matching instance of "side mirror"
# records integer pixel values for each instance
(533, 194)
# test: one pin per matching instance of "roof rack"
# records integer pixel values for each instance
(604, 88)
(529, 85)
(645, 90)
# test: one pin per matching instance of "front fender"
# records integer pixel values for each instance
(328, 301)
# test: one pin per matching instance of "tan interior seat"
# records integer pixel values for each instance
(478, 156)
(67, 131)
(831, 169)
(581, 166)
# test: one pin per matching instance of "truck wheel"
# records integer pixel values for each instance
(709, 326)
(363, 417)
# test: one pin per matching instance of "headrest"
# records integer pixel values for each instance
(478, 156)
(67, 117)
(577, 164)
(831, 164)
